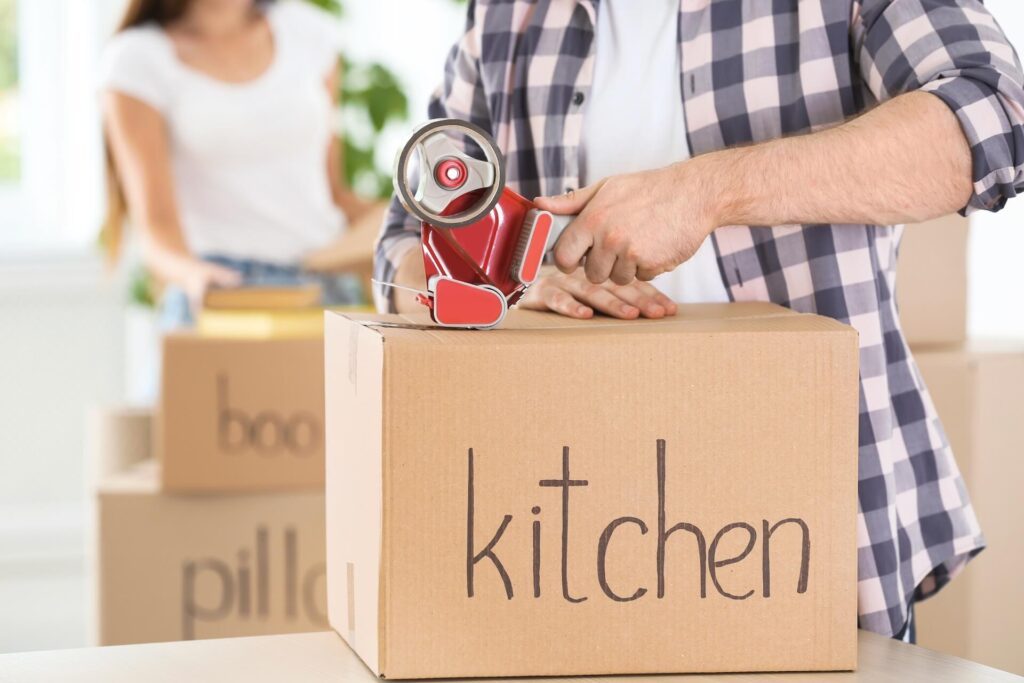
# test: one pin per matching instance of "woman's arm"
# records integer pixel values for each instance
(351, 204)
(139, 143)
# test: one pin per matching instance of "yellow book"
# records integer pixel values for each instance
(266, 324)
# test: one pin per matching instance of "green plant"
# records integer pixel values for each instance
(8, 44)
(10, 148)
(371, 97)
(141, 287)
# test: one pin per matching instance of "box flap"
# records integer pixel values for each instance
(691, 318)
(141, 478)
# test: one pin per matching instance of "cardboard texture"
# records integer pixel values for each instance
(978, 394)
(931, 281)
(241, 414)
(563, 497)
(263, 298)
(188, 567)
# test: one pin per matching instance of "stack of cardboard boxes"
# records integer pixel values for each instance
(222, 532)
(976, 388)
(489, 493)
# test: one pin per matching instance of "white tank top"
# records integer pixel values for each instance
(634, 119)
(249, 160)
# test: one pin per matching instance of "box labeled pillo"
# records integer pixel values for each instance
(188, 567)
(565, 497)
(241, 414)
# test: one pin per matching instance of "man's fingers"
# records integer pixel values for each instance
(648, 274)
(624, 271)
(571, 202)
(651, 302)
(598, 267)
(602, 299)
(648, 304)
(560, 301)
(670, 306)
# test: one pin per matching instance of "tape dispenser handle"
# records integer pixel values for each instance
(559, 223)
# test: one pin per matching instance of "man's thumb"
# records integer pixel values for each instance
(572, 202)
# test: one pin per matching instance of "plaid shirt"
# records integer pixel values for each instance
(753, 70)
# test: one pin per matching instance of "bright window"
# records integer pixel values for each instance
(10, 147)
(51, 177)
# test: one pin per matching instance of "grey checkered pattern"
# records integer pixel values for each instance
(754, 70)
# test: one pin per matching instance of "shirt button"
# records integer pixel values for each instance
(578, 98)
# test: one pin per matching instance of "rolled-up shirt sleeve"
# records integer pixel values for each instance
(461, 96)
(955, 50)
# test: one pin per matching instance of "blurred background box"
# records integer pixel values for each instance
(117, 437)
(243, 413)
(931, 285)
(263, 298)
(980, 614)
(174, 567)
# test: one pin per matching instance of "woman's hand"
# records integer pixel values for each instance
(201, 276)
(636, 225)
(572, 296)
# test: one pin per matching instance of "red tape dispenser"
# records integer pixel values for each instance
(483, 244)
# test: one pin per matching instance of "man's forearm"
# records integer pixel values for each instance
(905, 161)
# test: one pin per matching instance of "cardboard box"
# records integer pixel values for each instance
(187, 567)
(241, 414)
(117, 437)
(563, 497)
(979, 394)
(931, 281)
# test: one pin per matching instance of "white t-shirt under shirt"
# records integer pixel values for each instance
(249, 159)
(634, 119)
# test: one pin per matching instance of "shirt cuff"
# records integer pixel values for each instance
(996, 139)
(390, 255)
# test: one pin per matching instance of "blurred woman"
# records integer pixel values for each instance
(218, 116)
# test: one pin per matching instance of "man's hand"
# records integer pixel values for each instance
(637, 225)
(882, 168)
(572, 296)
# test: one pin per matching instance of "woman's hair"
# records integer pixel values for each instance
(162, 12)
(137, 13)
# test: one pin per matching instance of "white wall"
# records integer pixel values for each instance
(60, 352)
(996, 294)
(413, 40)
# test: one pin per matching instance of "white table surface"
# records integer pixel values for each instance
(324, 656)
